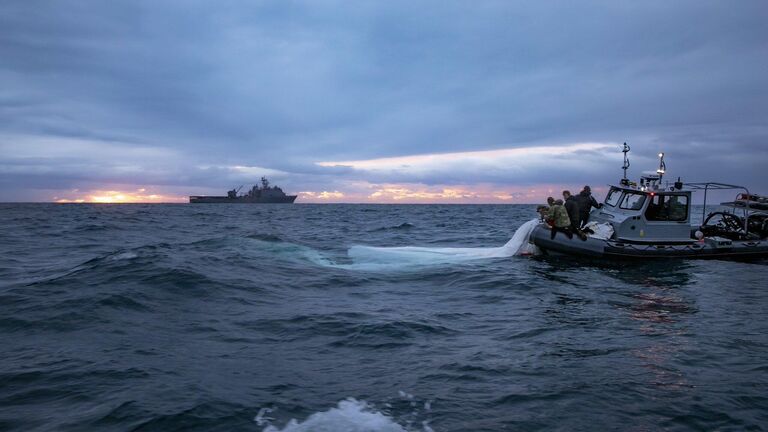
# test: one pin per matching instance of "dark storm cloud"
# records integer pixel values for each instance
(282, 85)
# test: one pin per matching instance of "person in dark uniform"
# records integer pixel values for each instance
(572, 207)
(586, 201)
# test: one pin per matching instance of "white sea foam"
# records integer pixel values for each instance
(122, 256)
(261, 418)
(349, 415)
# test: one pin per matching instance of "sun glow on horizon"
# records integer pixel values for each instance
(414, 193)
(120, 197)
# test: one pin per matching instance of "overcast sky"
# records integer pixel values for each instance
(387, 101)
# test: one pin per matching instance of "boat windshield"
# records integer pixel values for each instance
(613, 197)
(632, 201)
(667, 208)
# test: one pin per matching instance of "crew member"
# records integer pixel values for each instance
(560, 220)
(572, 207)
(547, 215)
(586, 201)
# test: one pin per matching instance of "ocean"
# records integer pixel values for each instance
(361, 318)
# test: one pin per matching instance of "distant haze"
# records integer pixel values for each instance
(362, 101)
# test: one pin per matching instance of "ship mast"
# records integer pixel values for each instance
(662, 167)
(626, 163)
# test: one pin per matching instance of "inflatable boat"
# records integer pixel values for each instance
(648, 220)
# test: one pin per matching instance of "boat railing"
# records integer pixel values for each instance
(706, 186)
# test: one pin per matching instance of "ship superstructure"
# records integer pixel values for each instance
(264, 194)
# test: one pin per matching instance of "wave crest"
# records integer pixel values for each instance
(349, 415)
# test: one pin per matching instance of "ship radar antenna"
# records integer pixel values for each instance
(662, 166)
(626, 160)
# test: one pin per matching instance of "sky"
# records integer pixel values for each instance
(376, 101)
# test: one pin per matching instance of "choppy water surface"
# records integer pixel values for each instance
(360, 318)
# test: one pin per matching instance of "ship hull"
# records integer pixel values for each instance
(288, 199)
(615, 249)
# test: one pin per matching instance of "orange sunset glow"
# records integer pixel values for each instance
(119, 197)
(359, 192)
(408, 193)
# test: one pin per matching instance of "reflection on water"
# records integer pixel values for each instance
(657, 360)
(653, 299)
(661, 312)
(653, 307)
(658, 302)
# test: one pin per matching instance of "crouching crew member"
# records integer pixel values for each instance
(560, 220)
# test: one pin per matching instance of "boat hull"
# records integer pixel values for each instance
(595, 247)
(288, 199)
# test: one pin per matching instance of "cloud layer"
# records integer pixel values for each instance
(195, 97)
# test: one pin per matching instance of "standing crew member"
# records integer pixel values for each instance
(572, 207)
(586, 201)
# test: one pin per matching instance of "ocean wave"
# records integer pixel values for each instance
(190, 283)
(265, 237)
(96, 227)
(120, 258)
(349, 415)
(119, 301)
(56, 322)
(202, 416)
(348, 329)
(401, 227)
(392, 334)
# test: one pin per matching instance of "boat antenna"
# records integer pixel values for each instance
(662, 167)
(626, 160)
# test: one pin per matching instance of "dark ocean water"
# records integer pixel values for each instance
(280, 318)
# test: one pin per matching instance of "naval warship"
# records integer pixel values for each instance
(257, 195)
